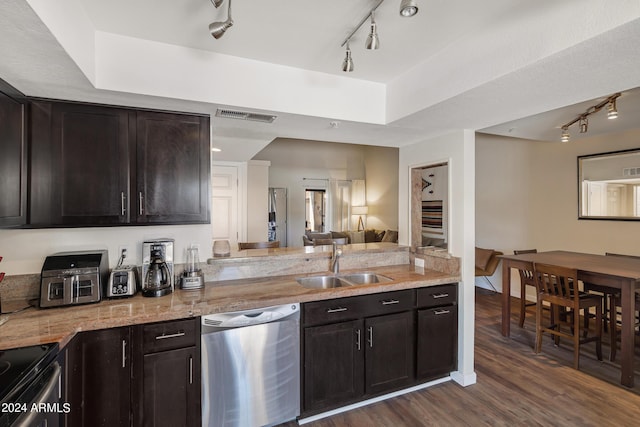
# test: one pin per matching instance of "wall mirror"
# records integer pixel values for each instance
(315, 204)
(609, 185)
(430, 206)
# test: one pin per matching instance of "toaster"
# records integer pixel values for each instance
(70, 278)
(123, 282)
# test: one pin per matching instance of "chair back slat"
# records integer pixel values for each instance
(526, 276)
(556, 281)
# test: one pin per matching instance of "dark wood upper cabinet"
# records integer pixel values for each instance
(13, 157)
(101, 165)
(80, 164)
(172, 168)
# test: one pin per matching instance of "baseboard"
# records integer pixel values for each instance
(373, 400)
(464, 379)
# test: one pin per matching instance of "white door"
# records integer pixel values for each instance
(224, 204)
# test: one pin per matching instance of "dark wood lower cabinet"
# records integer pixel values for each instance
(357, 348)
(390, 352)
(171, 385)
(437, 342)
(143, 375)
(333, 368)
(99, 382)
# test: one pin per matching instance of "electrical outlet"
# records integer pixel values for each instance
(128, 255)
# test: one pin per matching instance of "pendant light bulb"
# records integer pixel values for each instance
(373, 42)
(408, 8)
(347, 64)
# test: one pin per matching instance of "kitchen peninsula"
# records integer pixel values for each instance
(126, 341)
(248, 279)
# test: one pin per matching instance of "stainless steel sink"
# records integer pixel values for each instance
(322, 282)
(365, 278)
(326, 282)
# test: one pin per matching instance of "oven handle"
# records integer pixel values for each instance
(41, 398)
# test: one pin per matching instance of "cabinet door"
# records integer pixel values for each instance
(389, 356)
(171, 388)
(333, 365)
(99, 381)
(437, 342)
(172, 168)
(13, 158)
(80, 165)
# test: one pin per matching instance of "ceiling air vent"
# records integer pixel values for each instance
(244, 115)
(630, 171)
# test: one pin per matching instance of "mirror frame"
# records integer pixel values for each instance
(610, 154)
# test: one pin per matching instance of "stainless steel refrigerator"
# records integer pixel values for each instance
(278, 215)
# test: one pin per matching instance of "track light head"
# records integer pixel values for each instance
(347, 64)
(217, 3)
(565, 135)
(408, 8)
(584, 125)
(373, 42)
(217, 29)
(612, 111)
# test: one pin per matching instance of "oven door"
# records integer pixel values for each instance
(42, 398)
(69, 289)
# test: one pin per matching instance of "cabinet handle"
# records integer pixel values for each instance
(370, 329)
(141, 202)
(336, 310)
(190, 369)
(390, 302)
(124, 353)
(439, 312)
(436, 296)
(123, 210)
(358, 339)
(166, 336)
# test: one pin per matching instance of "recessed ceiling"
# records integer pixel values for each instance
(456, 65)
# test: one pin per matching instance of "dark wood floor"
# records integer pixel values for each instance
(514, 387)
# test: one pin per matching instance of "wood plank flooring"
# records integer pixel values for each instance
(515, 386)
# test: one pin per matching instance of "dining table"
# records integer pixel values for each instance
(613, 271)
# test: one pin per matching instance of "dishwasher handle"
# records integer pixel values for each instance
(239, 319)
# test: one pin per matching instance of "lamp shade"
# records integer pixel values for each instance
(359, 210)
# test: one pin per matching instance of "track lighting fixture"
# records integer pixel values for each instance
(583, 122)
(217, 29)
(373, 42)
(217, 3)
(612, 111)
(408, 8)
(347, 64)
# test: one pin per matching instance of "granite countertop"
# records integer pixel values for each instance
(39, 326)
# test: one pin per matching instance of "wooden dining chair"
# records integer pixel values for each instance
(558, 287)
(616, 303)
(258, 245)
(526, 279)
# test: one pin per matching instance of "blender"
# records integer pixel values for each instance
(192, 277)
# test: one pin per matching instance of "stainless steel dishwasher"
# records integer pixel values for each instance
(251, 367)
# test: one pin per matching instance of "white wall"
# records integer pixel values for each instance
(458, 150)
(24, 251)
(527, 197)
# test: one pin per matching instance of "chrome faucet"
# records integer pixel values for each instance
(335, 255)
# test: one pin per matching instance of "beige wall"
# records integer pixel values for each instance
(527, 197)
(257, 201)
(294, 160)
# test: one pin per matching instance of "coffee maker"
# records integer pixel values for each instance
(157, 267)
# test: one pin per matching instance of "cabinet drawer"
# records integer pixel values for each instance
(169, 335)
(435, 296)
(333, 310)
(388, 302)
